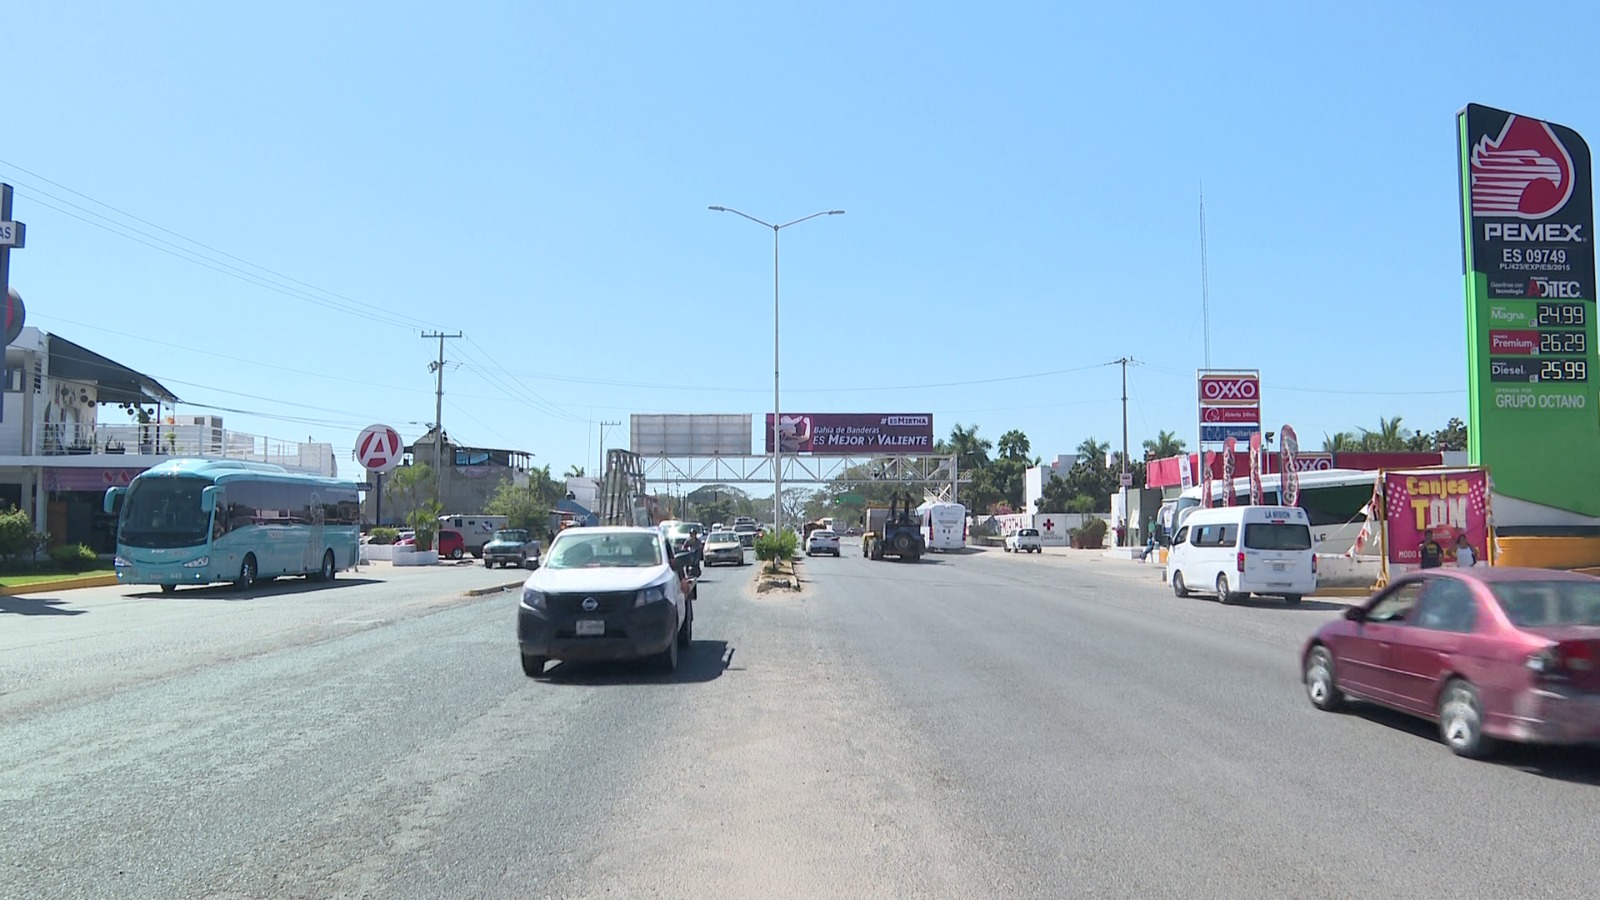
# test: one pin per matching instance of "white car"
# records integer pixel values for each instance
(606, 594)
(1024, 540)
(822, 541)
(724, 547)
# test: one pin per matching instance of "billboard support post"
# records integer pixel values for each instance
(777, 445)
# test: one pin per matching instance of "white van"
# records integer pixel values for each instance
(1236, 551)
(944, 526)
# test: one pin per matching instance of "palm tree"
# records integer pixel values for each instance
(971, 451)
(574, 471)
(1093, 451)
(1165, 444)
(1014, 445)
(1342, 442)
(1389, 436)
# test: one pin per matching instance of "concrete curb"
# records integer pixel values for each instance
(1343, 592)
(499, 589)
(65, 584)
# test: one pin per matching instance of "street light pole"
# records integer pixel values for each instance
(777, 434)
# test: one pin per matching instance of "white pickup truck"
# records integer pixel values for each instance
(1024, 540)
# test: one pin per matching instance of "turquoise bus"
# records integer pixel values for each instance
(202, 521)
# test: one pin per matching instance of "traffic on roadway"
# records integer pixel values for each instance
(974, 723)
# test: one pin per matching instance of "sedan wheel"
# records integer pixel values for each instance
(1461, 721)
(533, 666)
(1321, 689)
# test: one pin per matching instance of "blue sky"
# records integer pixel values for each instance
(1021, 184)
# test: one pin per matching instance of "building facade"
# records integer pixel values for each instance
(73, 423)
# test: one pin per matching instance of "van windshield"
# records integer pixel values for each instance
(1287, 536)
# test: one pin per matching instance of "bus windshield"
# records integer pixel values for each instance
(165, 512)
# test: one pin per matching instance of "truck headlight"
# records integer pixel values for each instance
(533, 599)
(651, 595)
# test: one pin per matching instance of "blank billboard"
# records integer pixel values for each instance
(690, 435)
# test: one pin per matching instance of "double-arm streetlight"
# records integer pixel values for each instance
(777, 432)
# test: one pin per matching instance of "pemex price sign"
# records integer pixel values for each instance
(1527, 213)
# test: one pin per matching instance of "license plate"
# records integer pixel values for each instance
(591, 627)
(1279, 567)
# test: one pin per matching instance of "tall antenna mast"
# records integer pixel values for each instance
(1205, 279)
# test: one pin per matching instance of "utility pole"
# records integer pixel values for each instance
(438, 414)
(600, 471)
(1122, 480)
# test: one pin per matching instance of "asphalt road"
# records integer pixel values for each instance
(969, 726)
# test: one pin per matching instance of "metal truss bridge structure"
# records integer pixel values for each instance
(628, 475)
(936, 475)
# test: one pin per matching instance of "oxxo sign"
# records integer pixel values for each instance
(1229, 389)
(1230, 405)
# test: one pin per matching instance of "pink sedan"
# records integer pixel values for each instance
(1490, 654)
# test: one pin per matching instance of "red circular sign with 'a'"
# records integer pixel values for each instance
(378, 449)
(15, 316)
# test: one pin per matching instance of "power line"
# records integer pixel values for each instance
(338, 302)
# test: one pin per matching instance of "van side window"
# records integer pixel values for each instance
(1206, 535)
(1229, 536)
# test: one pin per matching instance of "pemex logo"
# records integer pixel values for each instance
(1525, 173)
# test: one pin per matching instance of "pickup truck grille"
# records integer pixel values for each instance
(609, 602)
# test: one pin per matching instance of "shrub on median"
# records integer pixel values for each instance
(776, 545)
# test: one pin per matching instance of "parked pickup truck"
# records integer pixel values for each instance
(512, 547)
(1024, 540)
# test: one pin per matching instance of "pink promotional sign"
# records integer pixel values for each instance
(1227, 472)
(1443, 504)
(842, 434)
(1257, 495)
(1289, 467)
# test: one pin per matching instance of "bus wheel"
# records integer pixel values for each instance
(328, 570)
(247, 573)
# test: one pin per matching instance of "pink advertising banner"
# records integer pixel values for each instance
(1257, 495)
(1444, 504)
(1227, 471)
(842, 434)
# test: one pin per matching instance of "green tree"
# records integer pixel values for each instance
(574, 471)
(529, 505)
(1390, 437)
(406, 488)
(1164, 445)
(1014, 445)
(1091, 476)
(1057, 497)
(971, 452)
(1095, 450)
(1453, 436)
(1343, 442)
